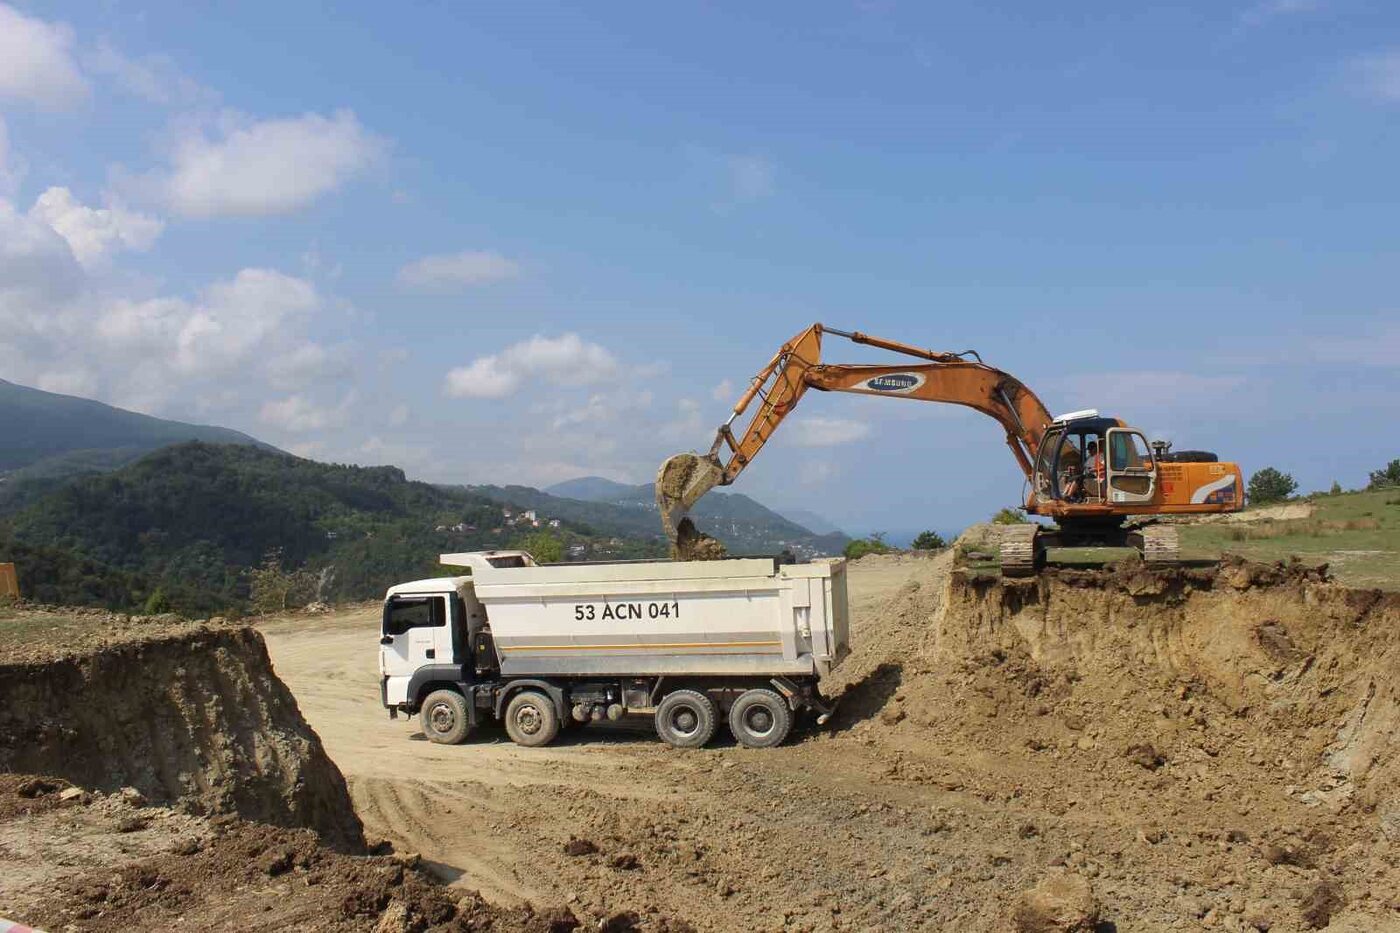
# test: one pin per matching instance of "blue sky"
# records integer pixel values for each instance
(520, 243)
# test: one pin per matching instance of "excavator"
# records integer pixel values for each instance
(1099, 479)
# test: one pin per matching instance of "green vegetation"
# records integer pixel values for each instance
(1387, 478)
(875, 544)
(1015, 516)
(544, 547)
(196, 523)
(929, 541)
(1270, 485)
(1356, 533)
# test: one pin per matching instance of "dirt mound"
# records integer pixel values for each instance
(192, 714)
(125, 865)
(1212, 746)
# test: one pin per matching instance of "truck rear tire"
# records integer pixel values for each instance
(686, 719)
(531, 719)
(445, 718)
(760, 719)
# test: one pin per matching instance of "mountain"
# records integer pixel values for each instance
(191, 520)
(47, 434)
(745, 526)
(817, 524)
(592, 489)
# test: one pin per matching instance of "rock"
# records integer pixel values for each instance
(892, 715)
(1286, 852)
(624, 861)
(626, 921)
(1256, 918)
(72, 793)
(1320, 903)
(394, 919)
(38, 787)
(577, 847)
(189, 845)
(1063, 901)
(1144, 756)
(132, 822)
(277, 862)
(409, 859)
(132, 797)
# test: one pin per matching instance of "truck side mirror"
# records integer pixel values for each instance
(386, 640)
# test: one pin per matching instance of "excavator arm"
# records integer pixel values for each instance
(777, 388)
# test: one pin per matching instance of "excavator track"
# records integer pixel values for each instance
(1161, 545)
(1020, 552)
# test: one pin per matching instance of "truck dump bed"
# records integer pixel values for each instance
(724, 617)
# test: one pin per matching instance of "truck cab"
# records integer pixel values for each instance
(436, 630)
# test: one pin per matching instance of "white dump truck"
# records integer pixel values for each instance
(544, 647)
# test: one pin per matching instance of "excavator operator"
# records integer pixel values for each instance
(1094, 484)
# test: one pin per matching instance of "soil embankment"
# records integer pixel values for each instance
(186, 714)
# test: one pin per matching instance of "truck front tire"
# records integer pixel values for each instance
(760, 719)
(686, 719)
(445, 718)
(531, 719)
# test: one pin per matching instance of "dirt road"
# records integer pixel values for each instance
(953, 781)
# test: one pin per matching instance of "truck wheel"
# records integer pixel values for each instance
(531, 719)
(760, 719)
(686, 719)
(444, 717)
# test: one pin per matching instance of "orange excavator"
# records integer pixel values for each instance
(1099, 479)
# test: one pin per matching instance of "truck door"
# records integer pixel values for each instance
(414, 633)
(1132, 471)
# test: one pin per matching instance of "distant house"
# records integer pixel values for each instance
(554, 523)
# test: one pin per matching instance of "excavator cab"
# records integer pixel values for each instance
(1085, 459)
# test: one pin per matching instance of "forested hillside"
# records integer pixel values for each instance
(191, 520)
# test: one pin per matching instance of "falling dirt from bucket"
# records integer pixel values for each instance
(680, 483)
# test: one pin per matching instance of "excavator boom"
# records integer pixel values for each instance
(797, 367)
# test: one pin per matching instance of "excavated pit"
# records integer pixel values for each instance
(190, 715)
(1216, 741)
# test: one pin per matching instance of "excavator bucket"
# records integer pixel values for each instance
(680, 483)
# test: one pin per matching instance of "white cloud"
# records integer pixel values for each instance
(307, 363)
(266, 167)
(567, 360)
(298, 414)
(95, 233)
(237, 317)
(825, 432)
(36, 61)
(1266, 10)
(398, 416)
(12, 167)
(724, 392)
(37, 267)
(1378, 75)
(457, 270)
(153, 78)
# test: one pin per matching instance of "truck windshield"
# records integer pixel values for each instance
(403, 613)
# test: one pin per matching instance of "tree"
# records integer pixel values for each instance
(271, 588)
(1010, 517)
(1336, 489)
(1270, 485)
(1386, 478)
(875, 544)
(544, 547)
(158, 603)
(929, 541)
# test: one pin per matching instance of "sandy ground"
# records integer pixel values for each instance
(490, 816)
(952, 782)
